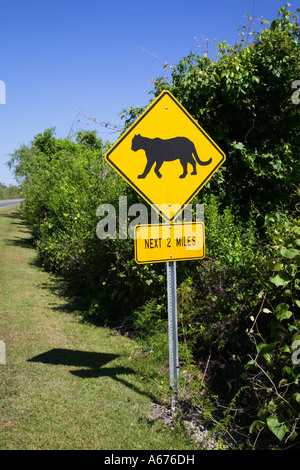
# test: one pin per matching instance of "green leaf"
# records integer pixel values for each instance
(291, 270)
(266, 350)
(272, 406)
(268, 357)
(277, 428)
(279, 281)
(284, 315)
(271, 264)
(278, 267)
(282, 382)
(296, 229)
(286, 370)
(282, 307)
(216, 78)
(249, 364)
(283, 312)
(288, 252)
(261, 346)
(256, 426)
(296, 397)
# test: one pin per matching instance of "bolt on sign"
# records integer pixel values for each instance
(166, 156)
(156, 243)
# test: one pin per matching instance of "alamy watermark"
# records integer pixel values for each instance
(296, 353)
(2, 353)
(296, 94)
(119, 224)
(2, 92)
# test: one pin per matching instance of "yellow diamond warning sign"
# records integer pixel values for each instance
(166, 156)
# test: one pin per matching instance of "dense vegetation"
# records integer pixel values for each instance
(239, 324)
(9, 192)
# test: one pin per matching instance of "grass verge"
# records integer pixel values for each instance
(66, 384)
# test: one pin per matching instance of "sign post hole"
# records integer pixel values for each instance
(173, 331)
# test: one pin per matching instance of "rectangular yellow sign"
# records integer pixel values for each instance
(158, 243)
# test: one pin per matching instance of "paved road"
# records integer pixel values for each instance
(9, 202)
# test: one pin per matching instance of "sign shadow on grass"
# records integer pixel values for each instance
(91, 365)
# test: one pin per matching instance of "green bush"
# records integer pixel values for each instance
(9, 192)
(273, 369)
(243, 100)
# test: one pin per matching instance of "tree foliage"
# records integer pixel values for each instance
(9, 192)
(243, 101)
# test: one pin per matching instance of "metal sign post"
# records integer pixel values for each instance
(173, 331)
(166, 133)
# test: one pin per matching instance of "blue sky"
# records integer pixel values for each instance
(92, 54)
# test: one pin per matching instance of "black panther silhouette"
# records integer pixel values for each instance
(166, 150)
